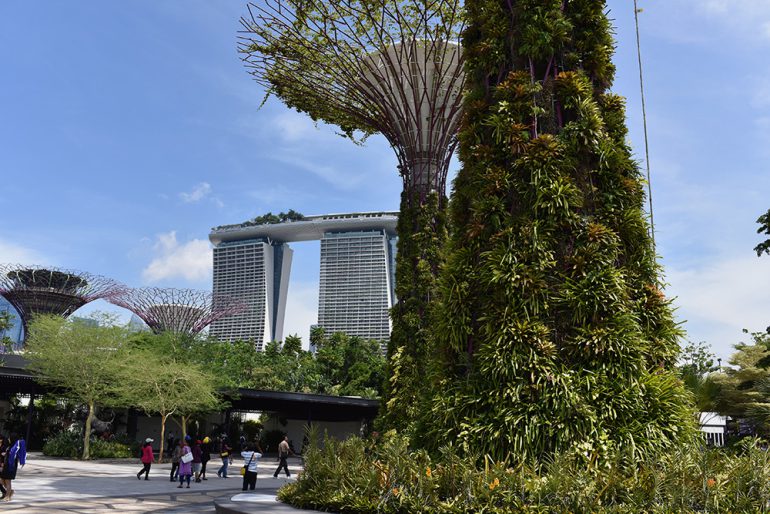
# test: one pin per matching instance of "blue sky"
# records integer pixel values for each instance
(129, 129)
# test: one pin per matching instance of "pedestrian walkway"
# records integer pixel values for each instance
(47, 485)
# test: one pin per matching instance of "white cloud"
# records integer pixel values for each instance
(721, 298)
(190, 261)
(301, 310)
(341, 179)
(704, 22)
(13, 253)
(294, 126)
(751, 17)
(198, 193)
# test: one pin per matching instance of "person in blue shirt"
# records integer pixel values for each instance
(12, 458)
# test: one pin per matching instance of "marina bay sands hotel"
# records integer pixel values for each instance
(252, 262)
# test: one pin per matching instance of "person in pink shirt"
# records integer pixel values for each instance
(147, 459)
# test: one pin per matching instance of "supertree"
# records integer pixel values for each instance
(181, 311)
(392, 67)
(551, 323)
(46, 290)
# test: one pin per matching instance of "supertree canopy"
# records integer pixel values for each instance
(182, 311)
(46, 290)
(392, 67)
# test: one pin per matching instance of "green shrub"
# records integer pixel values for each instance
(70, 445)
(64, 444)
(101, 449)
(361, 476)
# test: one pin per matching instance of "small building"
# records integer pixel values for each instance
(714, 427)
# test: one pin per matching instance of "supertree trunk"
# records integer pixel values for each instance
(552, 327)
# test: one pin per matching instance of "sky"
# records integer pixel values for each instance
(129, 129)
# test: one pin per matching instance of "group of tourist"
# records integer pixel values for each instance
(189, 458)
(13, 453)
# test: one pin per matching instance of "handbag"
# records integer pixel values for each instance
(187, 457)
(244, 468)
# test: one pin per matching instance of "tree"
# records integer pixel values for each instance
(350, 366)
(80, 357)
(696, 363)
(764, 228)
(6, 322)
(743, 391)
(552, 329)
(157, 382)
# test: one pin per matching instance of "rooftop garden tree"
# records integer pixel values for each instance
(390, 67)
(553, 330)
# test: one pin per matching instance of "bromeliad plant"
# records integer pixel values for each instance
(360, 476)
(552, 329)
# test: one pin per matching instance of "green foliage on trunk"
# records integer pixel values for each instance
(552, 330)
(422, 232)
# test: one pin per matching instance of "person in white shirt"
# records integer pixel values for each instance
(250, 460)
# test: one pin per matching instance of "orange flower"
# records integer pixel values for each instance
(494, 484)
(428, 472)
(711, 482)
(395, 491)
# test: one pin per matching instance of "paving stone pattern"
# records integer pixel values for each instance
(56, 485)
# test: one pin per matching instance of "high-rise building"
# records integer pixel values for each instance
(256, 272)
(356, 285)
(252, 264)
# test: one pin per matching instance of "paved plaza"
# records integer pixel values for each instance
(57, 485)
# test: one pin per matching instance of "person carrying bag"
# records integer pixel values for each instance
(249, 471)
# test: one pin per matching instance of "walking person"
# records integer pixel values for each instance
(147, 459)
(224, 452)
(283, 454)
(175, 456)
(251, 460)
(185, 465)
(205, 456)
(196, 462)
(15, 456)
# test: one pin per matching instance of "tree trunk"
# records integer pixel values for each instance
(87, 434)
(163, 419)
(184, 426)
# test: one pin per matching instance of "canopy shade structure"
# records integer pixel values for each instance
(181, 311)
(46, 290)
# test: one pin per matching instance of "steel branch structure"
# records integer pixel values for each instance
(45, 290)
(390, 66)
(182, 311)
